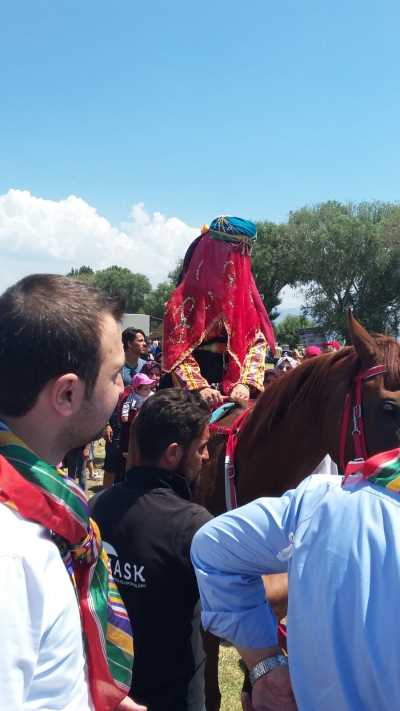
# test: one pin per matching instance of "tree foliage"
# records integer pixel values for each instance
(175, 274)
(349, 255)
(288, 330)
(133, 288)
(341, 254)
(273, 262)
(84, 273)
(156, 299)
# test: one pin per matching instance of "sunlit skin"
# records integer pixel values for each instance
(63, 416)
(136, 348)
(195, 455)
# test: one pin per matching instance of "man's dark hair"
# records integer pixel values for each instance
(49, 325)
(171, 415)
(129, 334)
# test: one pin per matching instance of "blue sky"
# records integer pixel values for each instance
(193, 109)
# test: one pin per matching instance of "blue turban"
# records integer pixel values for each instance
(233, 229)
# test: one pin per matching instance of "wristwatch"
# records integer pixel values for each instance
(266, 665)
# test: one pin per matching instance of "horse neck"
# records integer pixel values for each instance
(271, 460)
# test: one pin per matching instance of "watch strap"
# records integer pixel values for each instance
(266, 665)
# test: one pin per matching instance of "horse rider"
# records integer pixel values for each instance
(216, 328)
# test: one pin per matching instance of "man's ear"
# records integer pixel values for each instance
(66, 394)
(172, 456)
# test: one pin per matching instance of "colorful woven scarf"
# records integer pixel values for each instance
(42, 494)
(382, 469)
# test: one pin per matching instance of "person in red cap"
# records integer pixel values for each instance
(330, 346)
(216, 328)
(312, 352)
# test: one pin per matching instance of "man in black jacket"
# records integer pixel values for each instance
(147, 523)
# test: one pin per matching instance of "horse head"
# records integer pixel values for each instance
(380, 391)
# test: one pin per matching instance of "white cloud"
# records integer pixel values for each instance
(291, 298)
(38, 235)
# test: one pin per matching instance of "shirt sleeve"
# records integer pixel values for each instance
(188, 374)
(254, 364)
(232, 552)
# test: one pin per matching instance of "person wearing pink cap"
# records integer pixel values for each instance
(132, 399)
(312, 352)
(136, 394)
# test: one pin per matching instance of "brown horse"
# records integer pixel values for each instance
(295, 423)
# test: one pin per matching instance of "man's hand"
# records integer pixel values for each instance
(212, 397)
(128, 704)
(240, 394)
(271, 692)
(107, 433)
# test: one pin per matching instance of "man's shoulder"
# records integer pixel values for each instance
(14, 530)
(313, 490)
(192, 517)
(24, 539)
(153, 502)
(106, 500)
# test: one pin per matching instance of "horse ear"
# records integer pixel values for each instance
(362, 341)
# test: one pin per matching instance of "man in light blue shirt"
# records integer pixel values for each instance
(341, 548)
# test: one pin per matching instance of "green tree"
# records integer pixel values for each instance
(288, 330)
(273, 262)
(83, 273)
(348, 255)
(174, 275)
(133, 288)
(155, 300)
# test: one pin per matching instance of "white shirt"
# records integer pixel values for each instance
(341, 549)
(42, 664)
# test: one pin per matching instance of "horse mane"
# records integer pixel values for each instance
(304, 386)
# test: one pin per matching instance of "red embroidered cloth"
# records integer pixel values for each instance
(217, 292)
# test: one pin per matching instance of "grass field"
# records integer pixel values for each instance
(230, 679)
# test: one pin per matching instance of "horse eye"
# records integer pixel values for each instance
(390, 406)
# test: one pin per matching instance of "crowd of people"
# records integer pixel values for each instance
(82, 630)
(142, 378)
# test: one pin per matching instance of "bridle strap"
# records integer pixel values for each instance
(230, 470)
(358, 430)
(231, 433)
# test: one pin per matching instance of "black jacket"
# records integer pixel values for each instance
(147, 523)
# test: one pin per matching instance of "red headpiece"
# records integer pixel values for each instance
(217, 291)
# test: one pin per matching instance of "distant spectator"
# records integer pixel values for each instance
(155, 349)
(312, 352)
(296, 355)
(75, 462)
(153, 370)
(132, 400)
(271, 376)
(139, 390)
(135, 347)
(88, 455)
(286, 363)
(330, 346)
